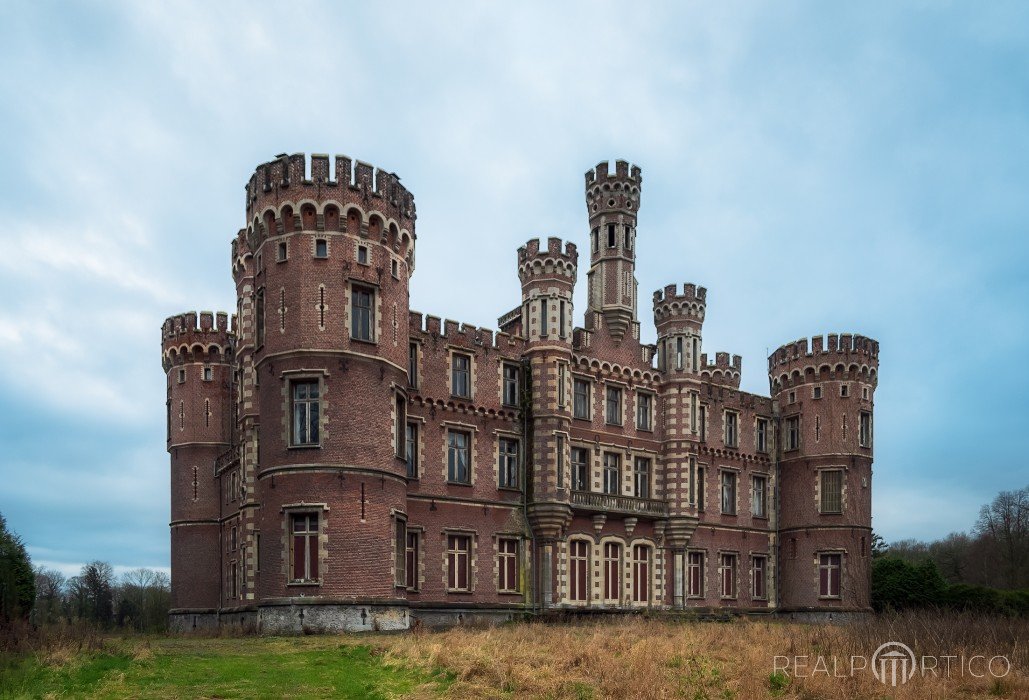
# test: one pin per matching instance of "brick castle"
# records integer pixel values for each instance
(342, 462)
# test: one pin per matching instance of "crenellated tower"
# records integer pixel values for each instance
(679, 318)
(612, 202)
(197, 356)
(824, 393)
(548, 277)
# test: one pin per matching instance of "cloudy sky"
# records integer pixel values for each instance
(820, 167)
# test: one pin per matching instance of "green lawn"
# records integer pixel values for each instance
(252, 667)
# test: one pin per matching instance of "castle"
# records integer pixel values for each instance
(342, 462)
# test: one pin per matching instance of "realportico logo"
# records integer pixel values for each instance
(893, 664)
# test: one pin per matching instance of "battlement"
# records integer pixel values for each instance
(670, 304)
(557, 259)
(459, 333)
(846, 345)
(613, 192)
(193, 337)
(298, 176)
(722, 370)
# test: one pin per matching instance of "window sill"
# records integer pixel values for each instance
(510, 489)
(312, 446)
(304, 583)
(459, 590)
(512, 593)
(582, 418)
(459, 396)
(614, 425)
(366, 341)
(459, 483)
(830, 597)
(830, 512)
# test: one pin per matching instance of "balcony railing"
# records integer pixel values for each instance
(619, 504)
(225, 459)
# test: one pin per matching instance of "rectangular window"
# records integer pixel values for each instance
(844, 390)
(578, 570)
(459, 457)
(596, 239)
(461, 375)
(259, 321)
(544, 320)
(305, 413)
(693, 413)
(628, 238)
(732, 433)
(678, 353)
(728, 575)
(581, 399)
(696, 355)
(182, 376)
(792, 429)
(760, 487)
(561, 319)
(321, 248)
(829, 566)
(400, 436)
(643, 409)
(411, 565)
(304, 529)
(641, 573)
(208, 374)
(508, 466)
(560, 461)
(510, 397)
(459, 549)
(641, 477)
(831, 490)
(507, 565)
(612, 572)
(610, 235)
(816, 392)
(695, 574)
(411, 448)
(614, 405)
(281, 252)
(762, 435)
(562, 380)
(693, 480)
(865, 429)
(729, 493)
(400, 553)
(701, 499)
(394, 269)
(362, 254)
(760, 578)
(703, 423)
(612, 469)
(580, 469)
(362, 310)
(412, 365)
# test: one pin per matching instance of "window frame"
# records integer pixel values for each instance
(612, 568)
(586, 414)
(643, 475)
(310, 556)
(759, 592)
(580, 481)
(608, 470)
(642, 572)
(830, 503)
(865, 429)
(510, 390)
(734, 484)
(791, 430)
(400, 550)
(322, 243)
(579, 570)
(695, 565)
(755, 500)
(761, 435)
(308, 401)
(411, 439)
(451, 468)
(828, 562)
(728, 564)
(617, 391)
(362, 313)
(412, 557)
(647, 398)
(508, 474)
(508, 565)
(459, 560)
(454, 372)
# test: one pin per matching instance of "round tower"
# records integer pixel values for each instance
(197, 355)
(548, 277)
(679, 318)
(332, 255)
(824, 392)
(612, 202)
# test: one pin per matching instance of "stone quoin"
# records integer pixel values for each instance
(342, 462)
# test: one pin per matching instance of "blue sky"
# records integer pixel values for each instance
(820, 167)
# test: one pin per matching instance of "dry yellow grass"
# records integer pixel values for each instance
(659, 659)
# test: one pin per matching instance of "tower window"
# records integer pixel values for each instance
(321, 248)
(844, 390)
(182, 376)
(400, 576)
(306, 409)
(544, 326)
(411, 565)
(610, 235)
(792, 429)
(831, 491)
(281, 254)
(208, 374)
(865, 429)
(362, 307)
(395, 269)
(816, 392)
(304, 528)
(362, 254)
(400, 435)
(829, 566)
(412, 364)
(678, 353)
(411, 447)
(596, 239)
(628, 238)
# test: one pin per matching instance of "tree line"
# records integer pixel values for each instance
(986, 569)
(139, 599)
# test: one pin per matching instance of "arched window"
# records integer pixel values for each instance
(612, 572)
(641, 573)
(578, 570)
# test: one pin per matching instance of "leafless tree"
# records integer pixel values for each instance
(1004, 525)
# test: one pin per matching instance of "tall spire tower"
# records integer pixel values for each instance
(612, 200)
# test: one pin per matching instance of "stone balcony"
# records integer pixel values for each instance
(610, 503)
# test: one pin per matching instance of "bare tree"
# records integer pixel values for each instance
(1004, 524)
(49, 595)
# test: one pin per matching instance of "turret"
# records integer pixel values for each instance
(824, 392)
(548, 278)
(612, 201)
(197, 355)
(679, 318)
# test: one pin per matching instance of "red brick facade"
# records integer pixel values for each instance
(337, 455)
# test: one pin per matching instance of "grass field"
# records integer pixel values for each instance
(623, 659)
